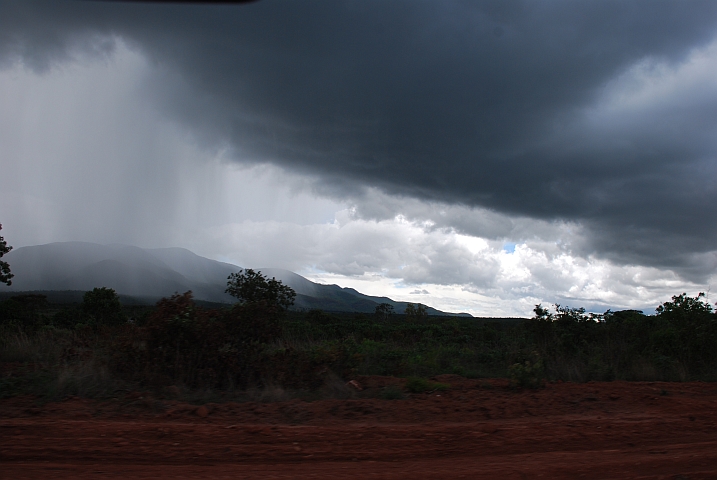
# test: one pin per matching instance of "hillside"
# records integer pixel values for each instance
(150, 274)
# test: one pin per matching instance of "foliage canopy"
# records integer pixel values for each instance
(5, 275)
(416, 311)
(384, 311)
(251, 287)
(103, 306)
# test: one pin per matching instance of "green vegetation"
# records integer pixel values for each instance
(392, 392)
(100, 345)
(249, 286)
(421, 385)
(5, 274)
(102, 307)
(384, 311)
(415, 312)
(527, 374)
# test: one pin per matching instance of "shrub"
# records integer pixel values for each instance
(23, 311)
(70, 318)
(392, 392)
(103, 307)
(253, 322)
(527, 374)
(180, 344)
(421, 385)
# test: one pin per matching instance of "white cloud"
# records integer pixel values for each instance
(411, 262)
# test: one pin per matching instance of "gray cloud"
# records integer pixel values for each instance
(83, 157)
(523, 109)
(401, 259)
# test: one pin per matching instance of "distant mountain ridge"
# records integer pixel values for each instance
(160, 272)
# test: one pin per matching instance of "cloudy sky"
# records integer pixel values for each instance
(473, 156)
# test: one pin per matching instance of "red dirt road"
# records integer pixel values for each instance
(476, 430)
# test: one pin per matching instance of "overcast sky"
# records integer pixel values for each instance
(472, 156)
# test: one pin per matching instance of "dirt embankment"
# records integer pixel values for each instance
(477, 429)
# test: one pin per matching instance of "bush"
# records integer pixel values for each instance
(180, 344)
(392, 392)
(259, 344)
(103, 307)
(527, 374)
(24, 311)
(253, 322)
(70, 318)
(421, 385)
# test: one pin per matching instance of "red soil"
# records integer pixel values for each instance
(477, 429)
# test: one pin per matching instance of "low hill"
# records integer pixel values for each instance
(149, 274)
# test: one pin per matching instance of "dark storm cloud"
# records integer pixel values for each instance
(473, 103)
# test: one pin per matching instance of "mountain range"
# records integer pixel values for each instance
(149, 274)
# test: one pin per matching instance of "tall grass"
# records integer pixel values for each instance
(265, 353)
(54, 363)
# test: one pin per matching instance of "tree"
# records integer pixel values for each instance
(688, 328)
(416, 311)
(566, 314)
(262, 302)
(542, 314)
(252, 287)
(5, 274)
(682, 307)
(103, 306)
(384, 310)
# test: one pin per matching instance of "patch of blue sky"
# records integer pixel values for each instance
(509, 247)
